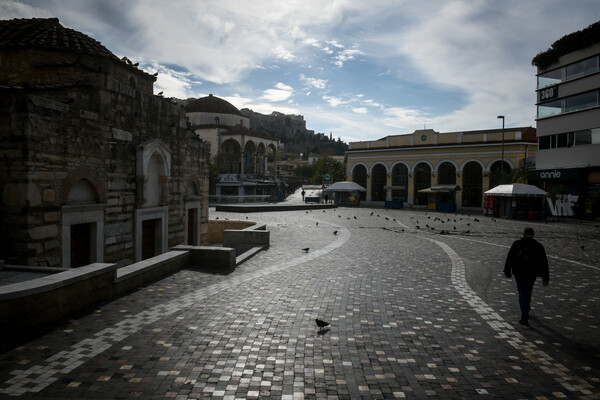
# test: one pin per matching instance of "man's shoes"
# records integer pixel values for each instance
(524, 323)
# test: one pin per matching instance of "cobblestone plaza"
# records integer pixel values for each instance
(414, 313)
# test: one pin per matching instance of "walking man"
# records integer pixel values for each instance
(526, 260)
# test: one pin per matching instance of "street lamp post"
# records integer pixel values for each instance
(502, 163)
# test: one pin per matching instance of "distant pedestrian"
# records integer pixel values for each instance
(526, 260)
(326, 199)
(303, 193)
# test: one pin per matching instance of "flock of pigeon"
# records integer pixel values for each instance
(429, 225)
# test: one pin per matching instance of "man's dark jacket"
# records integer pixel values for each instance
(537, 264)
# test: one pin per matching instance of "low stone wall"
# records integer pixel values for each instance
(246, 239)
(220, 258)
(152, 269)
(216, 228)
(27, 306)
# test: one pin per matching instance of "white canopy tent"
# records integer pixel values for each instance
(515, 190)
(345, 193)
(345, 187)
(515, 200)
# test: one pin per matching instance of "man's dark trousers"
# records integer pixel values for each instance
(525, 287)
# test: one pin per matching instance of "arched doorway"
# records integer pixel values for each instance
(83, 198)
(250, 158)
(400, 183)
(498, 174)
(359, 176)
(422, 181)
(472, 184)
(378, 180)
(230, 157)
(447, 174)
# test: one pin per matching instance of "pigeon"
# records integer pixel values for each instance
(317, 224)
(475, 219)
(160, 93)
(321, 324)
(306, 249)
(136, 64)
(155, 74)
(418, 227)
(335, 232)
(355, 217)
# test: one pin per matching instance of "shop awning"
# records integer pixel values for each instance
(441, 189)
(515, 190)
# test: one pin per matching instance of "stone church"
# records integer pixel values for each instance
(94, 167)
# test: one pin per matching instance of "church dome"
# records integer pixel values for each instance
(212, 104)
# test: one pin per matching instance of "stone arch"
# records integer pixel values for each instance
(145, 152)
(378, 181)
(414, 166)
(90, 177)
(193, 186)
(400, 181)
(359, 176)
(153, 169)
(498, 161)
(495, 167)
(261, 159)
(249, 157)
(462, 167)
(422, 180)
(437, 167)
(358, 164)
(472, 180)
(230, 155)
(446, 172)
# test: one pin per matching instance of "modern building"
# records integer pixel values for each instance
(95, 167)
(457, 167)
(246, 160)
(568, 123)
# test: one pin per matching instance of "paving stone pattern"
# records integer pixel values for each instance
(406, 319)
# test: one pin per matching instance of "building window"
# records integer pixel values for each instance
(578, 102)
(550, 108)
(582, 68)
(581, 101)
(576, 70)
(569, 139)
(561, 140)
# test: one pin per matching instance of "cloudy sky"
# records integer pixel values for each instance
(361, 70)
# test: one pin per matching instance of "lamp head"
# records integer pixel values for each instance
(501, 116)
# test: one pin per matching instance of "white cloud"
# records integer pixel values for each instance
(333, 101)
(285, 55)
(346, 55)
(172, 83)
(403, 119)
(280, 93)
(360, 110)
(314, 82)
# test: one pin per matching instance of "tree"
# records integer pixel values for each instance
(507, 176)
(327, 165)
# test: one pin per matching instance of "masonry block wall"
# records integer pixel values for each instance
(89, 155)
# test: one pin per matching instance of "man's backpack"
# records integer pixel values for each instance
(524, 262)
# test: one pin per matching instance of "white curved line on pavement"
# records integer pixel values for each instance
(506, 331)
